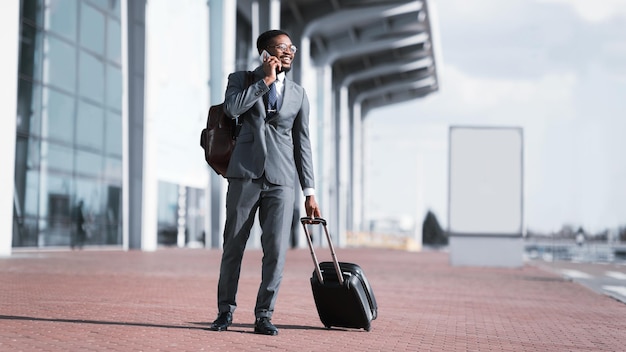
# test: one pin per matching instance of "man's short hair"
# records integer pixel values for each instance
(264, 39)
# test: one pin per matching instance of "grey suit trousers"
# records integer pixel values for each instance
(275, 206)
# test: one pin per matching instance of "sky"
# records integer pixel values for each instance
(557, 69)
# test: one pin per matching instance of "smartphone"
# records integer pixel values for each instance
(264, 55)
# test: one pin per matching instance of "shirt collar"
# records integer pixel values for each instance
(281, 77)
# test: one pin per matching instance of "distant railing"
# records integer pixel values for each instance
(563, 249)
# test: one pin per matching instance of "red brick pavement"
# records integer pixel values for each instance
(165, 300)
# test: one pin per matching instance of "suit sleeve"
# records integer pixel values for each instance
(238, 98)
(302, 146)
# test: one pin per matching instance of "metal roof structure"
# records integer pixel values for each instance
(383, 50)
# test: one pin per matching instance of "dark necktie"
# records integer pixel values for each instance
(272, 99)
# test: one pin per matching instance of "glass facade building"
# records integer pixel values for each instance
(70, 181)
(69, 123)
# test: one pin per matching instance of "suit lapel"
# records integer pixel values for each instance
(288, 96)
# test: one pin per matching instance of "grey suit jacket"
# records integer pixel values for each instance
(277, 145)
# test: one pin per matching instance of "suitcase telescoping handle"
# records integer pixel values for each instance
(319, 221)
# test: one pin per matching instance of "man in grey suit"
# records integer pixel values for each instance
(272, 147)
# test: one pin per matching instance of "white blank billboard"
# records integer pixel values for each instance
(485, 181)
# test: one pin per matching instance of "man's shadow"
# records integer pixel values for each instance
(243, 328)
(97, 322)
(249, 328)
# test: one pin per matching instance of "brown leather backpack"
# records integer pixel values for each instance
(219, 137)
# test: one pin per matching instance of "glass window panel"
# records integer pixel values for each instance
(58, 158)
(114, 133)
(35, 112)
(58, 206)
(94, 196)
(25, 185)
(54, 207)
(55, 184)
(27, 233)
(34, 153)
(32, 10)
(26, 159)
(57, 116)
(31, 197)
(92, 29)
(113, 227)
(60, 64)
(114, 87)
(115, 7)
(113, 168)
(91, 192)
(88, 163)
(168, 203)
(103, 4)
(19, 183)
(30, 52)
(114, 41)
(91, 77)
(61, 17)
(28, 107)
(90, 126)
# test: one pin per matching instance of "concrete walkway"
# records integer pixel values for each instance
(165, 301)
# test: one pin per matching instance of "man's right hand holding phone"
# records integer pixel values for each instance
(271, 66)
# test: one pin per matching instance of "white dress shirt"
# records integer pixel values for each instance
(280, 89)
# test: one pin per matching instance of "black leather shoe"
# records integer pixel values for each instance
(223, 321)
(265, 327)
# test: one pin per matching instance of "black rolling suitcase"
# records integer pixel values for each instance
(344, 300)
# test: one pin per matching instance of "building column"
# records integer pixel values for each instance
(329, 135)
(268, 16)
(343, 164)
(356, 182)
(308, 77)
(140, 187)
(9, 42)
(222, 40)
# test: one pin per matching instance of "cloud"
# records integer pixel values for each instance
(519, 38)
(595, 11)
(475, 92)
